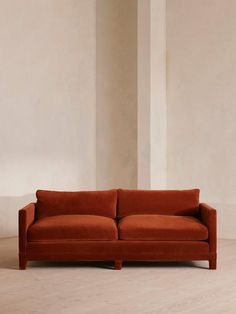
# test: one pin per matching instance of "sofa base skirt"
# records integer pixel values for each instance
(120, 250)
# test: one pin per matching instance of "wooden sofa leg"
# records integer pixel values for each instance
(22, 263)
(212, 263)
(118, 264)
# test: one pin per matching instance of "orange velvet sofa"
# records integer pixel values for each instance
(117, 225)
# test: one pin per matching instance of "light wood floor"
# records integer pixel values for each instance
(68, 288)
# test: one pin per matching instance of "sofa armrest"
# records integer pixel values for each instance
(209, 218)
(26, 218)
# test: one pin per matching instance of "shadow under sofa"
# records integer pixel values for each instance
(117, 225)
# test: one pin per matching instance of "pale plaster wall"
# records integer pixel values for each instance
(47, 100)
(152, 149)
(48, 89)
(158, 117)
(116, 94)
(201, 75)
(144, 95)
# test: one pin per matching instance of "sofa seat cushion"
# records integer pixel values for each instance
(73, 227)
(161, 227)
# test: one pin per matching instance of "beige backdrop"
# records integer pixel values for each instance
(201, 75)
(57, 59)
(68, 99)
(47, 100)
(116, 94)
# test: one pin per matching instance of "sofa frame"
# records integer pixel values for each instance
(118, 250)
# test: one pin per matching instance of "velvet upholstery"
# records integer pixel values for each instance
(162, 228)
(208, 217)
(64, 226)
(171, 202)
(73, 227)
(112, 250)
(50, 203)
(25, 220)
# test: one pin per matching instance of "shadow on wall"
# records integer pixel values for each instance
(116, 92)
(9, 206)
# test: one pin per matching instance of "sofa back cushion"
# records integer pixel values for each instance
(51, 203)
(169, 202)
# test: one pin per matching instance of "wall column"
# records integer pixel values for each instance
(151, 150)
